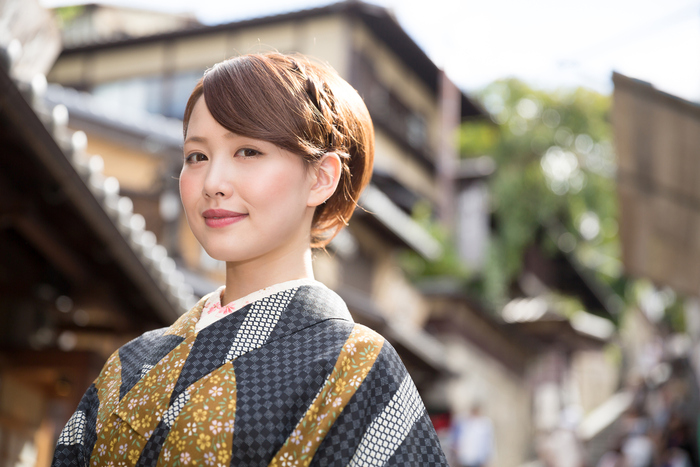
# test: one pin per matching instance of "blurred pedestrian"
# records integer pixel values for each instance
(613, 457)
(562, 447)
(638, 448)
(473, 438)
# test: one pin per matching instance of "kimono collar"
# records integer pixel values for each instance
(213, 311)
(188, 325)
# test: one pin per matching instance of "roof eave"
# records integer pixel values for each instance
(378, 19)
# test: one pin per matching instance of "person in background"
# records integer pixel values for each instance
(473, 440)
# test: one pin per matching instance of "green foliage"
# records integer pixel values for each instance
(675, 316)
(555, 166)
(448, 264)
(66, 14)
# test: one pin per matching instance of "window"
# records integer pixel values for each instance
(161, 94)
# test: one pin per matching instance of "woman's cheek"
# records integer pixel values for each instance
(188, 189)
(286, 181)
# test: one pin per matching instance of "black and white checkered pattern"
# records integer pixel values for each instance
(382, 382)
(209, 350)
(283, 352)
(175, 409)
(386, 432)
(145, 351)
(145, 369)
(420, 446)
(277, 383)
(74, 430)
(259, 323)
(151, 451)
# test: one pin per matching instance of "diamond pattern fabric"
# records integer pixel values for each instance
(287, 380)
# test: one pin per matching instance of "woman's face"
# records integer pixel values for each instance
(244, 199)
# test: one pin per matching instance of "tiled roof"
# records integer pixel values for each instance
(153, 257)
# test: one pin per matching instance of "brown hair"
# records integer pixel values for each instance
(302, 107)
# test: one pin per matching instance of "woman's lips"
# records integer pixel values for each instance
(221, 217)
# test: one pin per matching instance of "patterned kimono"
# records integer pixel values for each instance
(287, 380)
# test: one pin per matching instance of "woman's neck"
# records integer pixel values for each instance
(243, 278)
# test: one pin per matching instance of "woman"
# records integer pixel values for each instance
(277, 150)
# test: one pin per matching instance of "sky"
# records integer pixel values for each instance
(550, 44)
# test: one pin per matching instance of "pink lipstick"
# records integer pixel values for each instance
(221, 217)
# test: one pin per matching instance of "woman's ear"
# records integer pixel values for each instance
(326, 175)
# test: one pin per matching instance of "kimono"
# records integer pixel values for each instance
(288, 380)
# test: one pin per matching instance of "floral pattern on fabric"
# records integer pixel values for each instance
(139, 412)
(354, 362)
(121, 448)
(305, 387)
(186, 323)
(108, 384)
(203, 432)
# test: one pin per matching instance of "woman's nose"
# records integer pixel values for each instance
(216, 183)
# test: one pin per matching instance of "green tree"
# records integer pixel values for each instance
(555, 172)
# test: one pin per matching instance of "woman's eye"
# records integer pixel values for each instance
(195, 157)
(247, 152)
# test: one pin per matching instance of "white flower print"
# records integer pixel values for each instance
(166, 455)
(132, 403)
(215, 391)
(122, 449)
(337, 401)
(288, 460)
(190, 429)
(306, 448)
(355, 381)
(185, 458)
(296, 437)
(102, 449)
(215, 427)
(228, 426)
(209, 458)
(350, 348)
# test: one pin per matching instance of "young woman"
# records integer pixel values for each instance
(269, 370)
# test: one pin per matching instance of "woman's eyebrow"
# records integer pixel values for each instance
(203, 139)
(195, 139)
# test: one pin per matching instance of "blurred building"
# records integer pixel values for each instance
(94, 22)
(656, 135)
(79, 275)
(657, 144)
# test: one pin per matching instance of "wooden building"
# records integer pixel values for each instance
(657, 138)
(79, 275)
